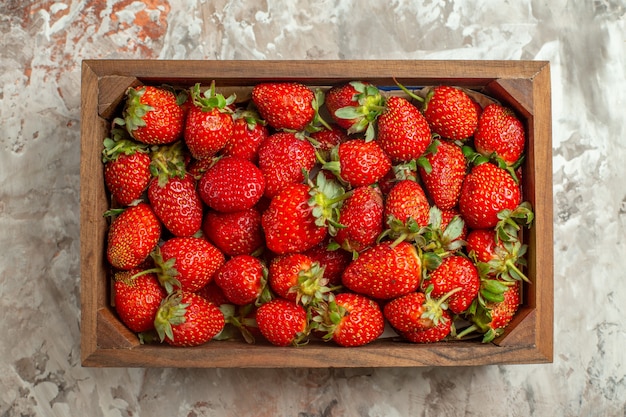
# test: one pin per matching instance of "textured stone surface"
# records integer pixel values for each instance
(41, 47)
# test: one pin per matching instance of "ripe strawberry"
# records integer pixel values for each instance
(455, 273)
(243, 280)
(248, 134)
(351, 320)
(355, 106)
(282, 158)
(186, 319)
(503, 259)
(406, 313)
(384, 271)
(359, 163)
(137, 298)
(132, 236)
(332, 260)
(499, 131)
(296, 277)
(213, 293)
(444, 173)
(403, 133)
(152, 115)
(486, 191)
(283, 322)
(324, 140)
(450, 112)
(126, 167)
(362, 219)
(406, 210)
(433, 334)
(286, 105)
(235, 233)
(301, 216)
(231, 184)
(186, 263)
(209, 124)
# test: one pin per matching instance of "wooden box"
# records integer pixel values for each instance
(523, 85)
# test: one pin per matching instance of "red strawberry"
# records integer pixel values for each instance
(236, 233)
(132, 236)
(406, 210)
(450, 112)
(362, 219)
(432, 334)
(213, 293)
(486, 191)
(301, 216)
(187, 319)
(406, 313)
(248, 134)
(177, 204)
(503, 259)
(209, 124)
(359, 163)
(355, 106)
(126, 167)
(444, 173)
(352, 320)
(384, 271)
(455, 273)
(500, 132)
(137, 298)
(333, 261)
(403, 133)
(296, 277)
(187, 263)
(152, 115)
(324, 140)
(243, 279)
(286, 105)
(232, 184)
(283, 322)
(282, 157)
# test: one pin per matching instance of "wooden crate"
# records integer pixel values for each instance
(523, 85)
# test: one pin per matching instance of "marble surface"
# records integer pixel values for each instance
(41, 48)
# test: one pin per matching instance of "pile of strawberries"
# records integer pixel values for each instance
(302, 213)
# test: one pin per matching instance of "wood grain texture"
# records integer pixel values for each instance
(524, 84)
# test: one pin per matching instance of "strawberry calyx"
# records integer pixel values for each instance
(311, 288)
(165, 271)
(251, 116)
(237, 318)
(120, 143)
(134, 110)
(327, 317)
(210, 100)
(511, 221)
(326, 198)
(168, 162)
(442, 243)
(433, 308)
(400, 231)
(371, 104)
(171, 313)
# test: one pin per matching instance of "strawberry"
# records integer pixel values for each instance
(287, 105)
(351, 320)
(403, 133)
(432, 334)
(455, 273)
(231, 184)
(137, 298)
(500, 132)
(282, 158)
(243, 280)
(358, 163)
(450, 112)
(126, 167)
(324, 140)
(132, 236)
(235, 233)
(442, 237)
(296, 277)
(443, 173)
(503, 259)
(283, 322)
(248, 134)
(333, 261)
(301, 216)
(362, 219)
(384, 271)
(152, 115)
(209, 124)
(355, 106)
(486, 191)
(186, 263)
(213, 293)
(406, 210)
(406, 313)
(187, 319)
